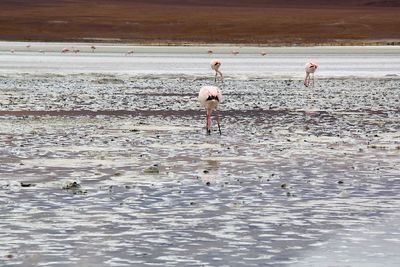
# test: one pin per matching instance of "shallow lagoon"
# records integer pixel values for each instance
(298, 178)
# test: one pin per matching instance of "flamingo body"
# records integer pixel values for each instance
(310, 68)
(209, 98)
(215, 64)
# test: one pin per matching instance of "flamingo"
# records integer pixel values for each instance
(28, 46)
(234, 52)
(93, 47)
(263, 53)
(310, 69)
(12, 51)
(76, 50)
(209, 98)
(65, 50)
(210, 52)
(41, 51)
(215, 64)
(130, 52)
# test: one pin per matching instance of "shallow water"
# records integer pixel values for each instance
(298, 177)
(193, 61)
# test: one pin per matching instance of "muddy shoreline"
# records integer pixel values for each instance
(116, 169)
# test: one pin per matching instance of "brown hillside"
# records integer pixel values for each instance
(201, 21)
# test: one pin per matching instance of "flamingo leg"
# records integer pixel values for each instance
(208, 123)
(307, 80)
(313, 81)
(216, 74)
(220, 73)
(217, 118)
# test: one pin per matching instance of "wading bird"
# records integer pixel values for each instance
(215, 64)
(130, 52)
(310, 69)
(93, 47)
(65, 50)
(263, 53)
(209, 98)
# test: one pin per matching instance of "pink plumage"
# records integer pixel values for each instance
(215, 64)
(209, 98)
(310, 68)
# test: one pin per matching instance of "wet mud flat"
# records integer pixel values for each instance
(113, 170)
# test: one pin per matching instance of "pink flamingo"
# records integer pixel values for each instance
(215, 64)
(263, 53)
(12, 51)
(28, 46)
(65, 50)
(234, 52)
(310, 69)
(130, 52)
(93, 47)
(210, 52)
(76, 50)
(209, 98)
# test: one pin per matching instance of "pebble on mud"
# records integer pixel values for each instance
(152, 169)
(74, 187)
(23, 184)
(71, 185)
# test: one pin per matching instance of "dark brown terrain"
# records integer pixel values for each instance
(203, 21)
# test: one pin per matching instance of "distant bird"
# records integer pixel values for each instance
(28, 46)
(209, 98)
(310, 69)
(76, 50)
(12, 51)
(263, 53)
(234, 52)
(210, 52)
(65, 50)
(41, 51)
(93, 47)
(215, 64)
(130, 52)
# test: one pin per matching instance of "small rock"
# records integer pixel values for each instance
(344, 194)
(23, 184)
(71, 185)
(152, 169)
